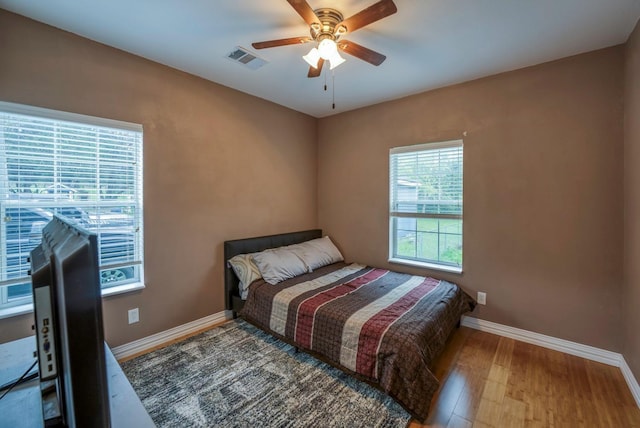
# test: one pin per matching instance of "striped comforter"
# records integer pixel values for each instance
(384, 326)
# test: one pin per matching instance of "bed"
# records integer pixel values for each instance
(383, 327)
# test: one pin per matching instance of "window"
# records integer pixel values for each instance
(425, 216)
(85, 168)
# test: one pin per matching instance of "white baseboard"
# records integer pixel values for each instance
(585, 351)
(573, 348)
(631, 381)
(158, 339)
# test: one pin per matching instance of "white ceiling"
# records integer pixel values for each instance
(428, 43)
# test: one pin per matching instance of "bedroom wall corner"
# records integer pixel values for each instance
(543, 230)
(631, 294)
(218, 165)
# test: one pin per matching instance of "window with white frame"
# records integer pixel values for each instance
(425, 216)
(85, 168)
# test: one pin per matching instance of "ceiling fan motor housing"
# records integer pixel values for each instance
(326, 28)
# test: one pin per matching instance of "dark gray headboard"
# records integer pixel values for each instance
(252, 245)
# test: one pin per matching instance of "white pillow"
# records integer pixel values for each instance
(318, 252)
(278, 264)
(246, 271)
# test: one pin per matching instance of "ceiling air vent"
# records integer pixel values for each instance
(244, 57)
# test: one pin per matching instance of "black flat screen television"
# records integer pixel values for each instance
(69, 330)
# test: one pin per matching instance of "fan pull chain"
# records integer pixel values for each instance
(333, 90)
(325, 82)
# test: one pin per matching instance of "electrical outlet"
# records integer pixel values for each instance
(482, 298)
(134, 315)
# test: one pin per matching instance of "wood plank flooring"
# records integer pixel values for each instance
(492, 381)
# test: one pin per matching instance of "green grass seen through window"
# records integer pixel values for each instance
(434, 240)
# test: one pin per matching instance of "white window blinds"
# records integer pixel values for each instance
(426, 180)
(85, 168)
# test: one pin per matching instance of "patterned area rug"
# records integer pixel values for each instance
(238, 376)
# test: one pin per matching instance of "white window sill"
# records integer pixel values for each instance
(433, 266)
(15, 311)
(121, 289)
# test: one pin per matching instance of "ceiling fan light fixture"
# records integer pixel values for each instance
(335, 60)
(312, 57)
(327, 48)
(328, 51)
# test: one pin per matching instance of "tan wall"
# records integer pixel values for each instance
(631, 294)
(218, 164)
(542, 198)
(543, 175)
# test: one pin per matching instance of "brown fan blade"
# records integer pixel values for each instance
(281, 42)
(315, 72)
(371, 14)
(365, 54)
(304, 10)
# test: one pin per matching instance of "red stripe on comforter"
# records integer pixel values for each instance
(374, 329)
(307, 309)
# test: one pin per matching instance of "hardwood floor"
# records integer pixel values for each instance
(492, 381)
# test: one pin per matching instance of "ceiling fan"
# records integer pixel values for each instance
(326, 27)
